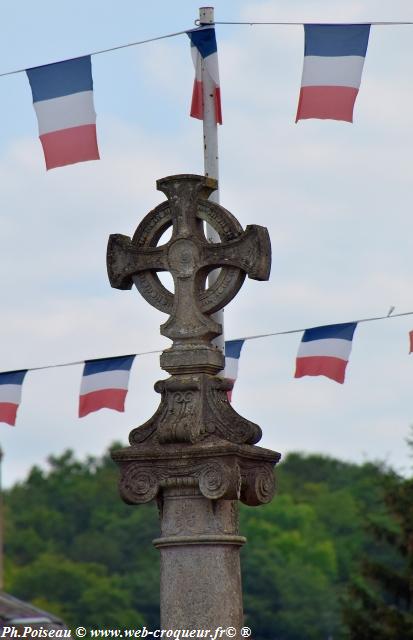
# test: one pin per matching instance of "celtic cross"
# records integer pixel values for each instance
(189, 257)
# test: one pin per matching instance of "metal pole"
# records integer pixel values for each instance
(211, 161)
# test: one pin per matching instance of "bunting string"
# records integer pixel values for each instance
(282, 23)
(323, 351)
(281, 333)
(243, 339)
(197, 23)
(96, 53)
(63, 96)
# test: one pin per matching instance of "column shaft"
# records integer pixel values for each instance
(200, 563)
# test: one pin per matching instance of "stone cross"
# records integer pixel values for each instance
(189, 257)
(196, 456)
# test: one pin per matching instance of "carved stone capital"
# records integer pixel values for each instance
(226, 471)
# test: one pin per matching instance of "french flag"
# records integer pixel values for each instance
(325, 351)
(232, 356)
(333, 63)
(11, 384)
(204, 48)
(104, 384)
(63, 101)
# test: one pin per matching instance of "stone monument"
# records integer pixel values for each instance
(196, 456)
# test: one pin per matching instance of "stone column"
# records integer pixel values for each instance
(200, 564)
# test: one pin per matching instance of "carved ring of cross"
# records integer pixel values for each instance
(188, 255)
(148, 233)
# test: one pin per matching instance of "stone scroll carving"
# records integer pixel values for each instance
(227, 476)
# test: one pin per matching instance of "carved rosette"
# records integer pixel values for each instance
(217, 480)
(138, 484)
(258, 485)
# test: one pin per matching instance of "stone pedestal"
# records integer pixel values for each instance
(200, 564)
(197, 488)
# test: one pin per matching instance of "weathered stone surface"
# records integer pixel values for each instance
(189, 257)
(218, 470)
(200, 571)
(196, 456)
(195, 408)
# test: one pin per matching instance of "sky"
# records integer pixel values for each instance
(335, 197)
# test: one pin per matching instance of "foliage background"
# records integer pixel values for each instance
(73, 548)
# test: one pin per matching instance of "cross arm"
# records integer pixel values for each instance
(125, 259)
(251, 252)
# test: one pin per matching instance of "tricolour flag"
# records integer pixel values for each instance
(104, 384)
(204, 48)
(324, 351)
(232, 355)
(333, 63)
(11, 383)
(63, 101)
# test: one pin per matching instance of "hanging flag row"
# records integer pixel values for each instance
(323, 351)
(62, 92)
(104, 384)
(63, 101)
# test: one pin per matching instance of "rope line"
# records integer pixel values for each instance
(372, 22)
(283, 333)
(197, 23)
(95, 53)
(263, 335)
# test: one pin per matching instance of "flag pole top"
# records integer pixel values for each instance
(206, 15)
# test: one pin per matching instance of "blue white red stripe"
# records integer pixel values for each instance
(204, 47)
(325, 351)
(63, 101)
(104, 384)
(232, 356)
(11, 383)
(334, 56)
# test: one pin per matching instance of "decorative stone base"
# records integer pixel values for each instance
(194, 408)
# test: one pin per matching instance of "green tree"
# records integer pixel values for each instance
(379, 605)
(79, 592)
(72, 546)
